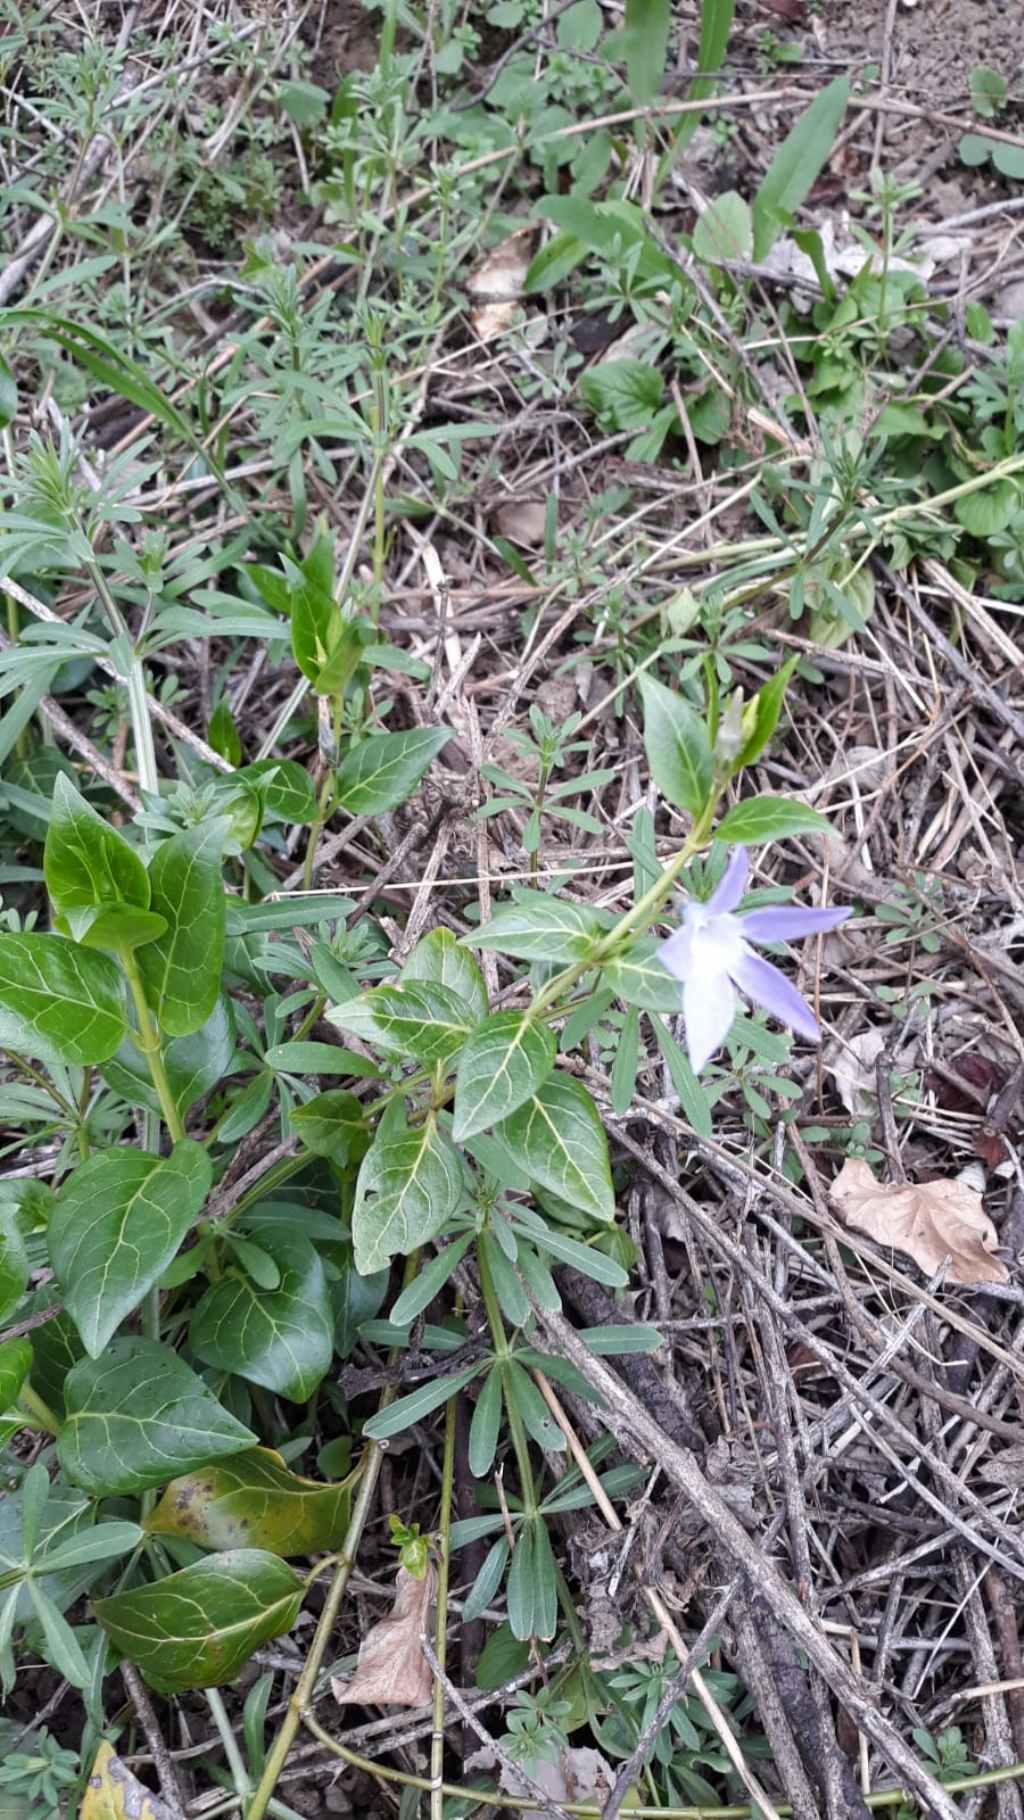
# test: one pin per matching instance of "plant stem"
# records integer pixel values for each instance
(149, 1043)
(42, 1415)
(441, 1624)
(302, 1696)
(236, 1763)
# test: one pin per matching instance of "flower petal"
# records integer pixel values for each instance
(733, 883)
(676, 953)
(791, 923)
(776, 994)
(709, 1006)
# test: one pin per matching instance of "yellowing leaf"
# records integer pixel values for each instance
(253, 1501)
(392, 1669)
(930, 1221)
(113, 1793)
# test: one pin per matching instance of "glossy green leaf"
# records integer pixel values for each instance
(195, 1064)
(383, 770)
(799, 160)
(15, 1365)
(58, 1003)
(355, 1299)
(764, 818)
(677, 744)
(111, 927)
(86, 862)
(285, 787)
(118, 1222)
(333, 1124)
(253, 1501)
(540, 928)
(282, 1339)
(182, 969)
(140, 1416)
(410, 1182)
(14, 1264)
(199, 1627)
(419, 1018)
(318, 1058)
(439, 958)
(557, 1139)
(501, 1065)
(640, 979)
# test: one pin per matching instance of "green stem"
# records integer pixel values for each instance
(236, 1763)
(441, 1624)
(643, 913)
(149, 1043)
(303, 1694)
(42, 1415)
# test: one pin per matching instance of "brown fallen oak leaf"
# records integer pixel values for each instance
(930, 1221)
(392, 1669)
(496, 284)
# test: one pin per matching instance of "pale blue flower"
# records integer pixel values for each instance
(711, 955)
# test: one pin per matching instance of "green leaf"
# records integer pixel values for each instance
(522, 1584)
(417, 1404)
(199, 1627)
(104, 361)
(118, 1222)
(195, 1064)
(355, 1299)
(580, 28)
(8, 395)
(419, 1018)
(540, 928)
(222, 733)
(640, 979)
(282, 1339)
(487, 1582)
(253, 1501)
(624, 394)
(761, 716)
(182, 970)
(86, 862)
(1008, 159)
(15, 1365)
(429, 1281)
(14, 1264)
(724, 231)
(317, 1058)
(692, 1097)
(763, 818)
(58, 1003)
(138, 1417)
(558, 1139)
(410, 1182)
(483, 1429)
(62, 1646)
(501, 1065)
(677, 744)
(333, 1124)
(989, 510)
(614, 1341)
(795, 168)
(104, 1543)
(285, 788)
(439, 958)
(112, 927)
(383, 770)
(974, 149)
(648, 24)
(626, 1063)
(502, 1658)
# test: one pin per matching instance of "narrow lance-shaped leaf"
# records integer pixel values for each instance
(117, 1224)
(794, 169)
(764, 818)
(199, 1627)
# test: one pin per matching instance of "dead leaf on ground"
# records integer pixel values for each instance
(930, 1221)
(496, 284)
(1006, 1468)
(113, 1793)
(854, 1073)
(392, 1669)
(522, 521)
(580, 1775)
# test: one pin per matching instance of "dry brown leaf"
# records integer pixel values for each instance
(930, 1221)
(523, 521)
(854, 1073)
(496, 284)
(392, 1669)
(580, 1775)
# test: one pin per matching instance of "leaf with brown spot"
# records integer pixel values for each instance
(113, 1793)
(253, 1501)
(930, 1221)
(392, 1669)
